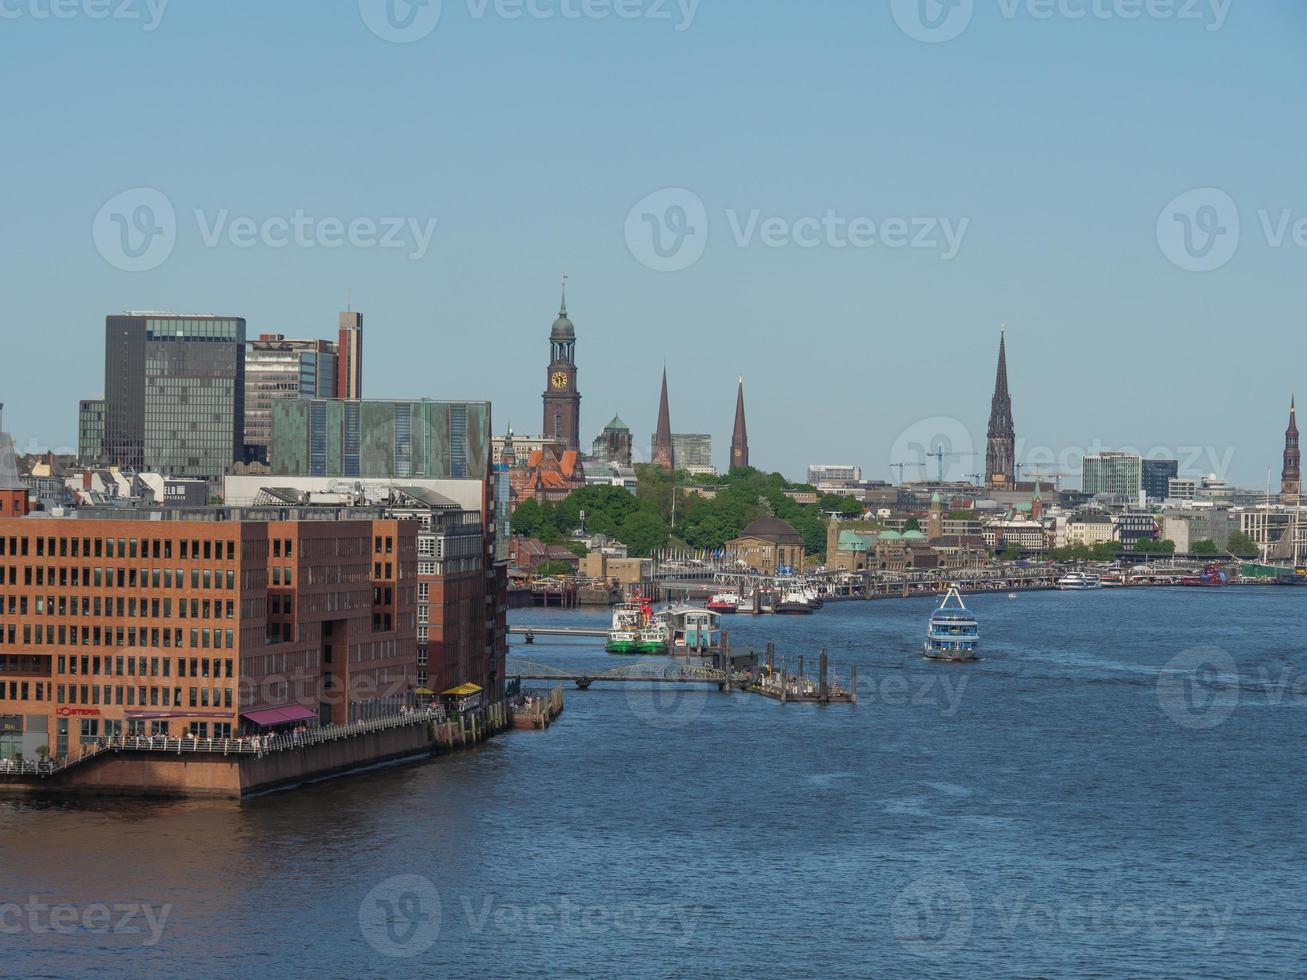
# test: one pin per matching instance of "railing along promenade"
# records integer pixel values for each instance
(251, 745)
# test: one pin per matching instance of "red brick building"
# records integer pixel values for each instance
(112, 626)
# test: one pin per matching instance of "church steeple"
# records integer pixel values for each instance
(562, 399)
(1291, 478)
(740, 436)
(1000, 453)
(664, 455)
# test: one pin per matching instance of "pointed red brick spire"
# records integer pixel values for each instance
(740, 438)
(1291, 478)
(663, 455)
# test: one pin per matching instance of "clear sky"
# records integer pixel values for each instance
(1051, 147)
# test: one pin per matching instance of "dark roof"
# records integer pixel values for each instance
(772, 529)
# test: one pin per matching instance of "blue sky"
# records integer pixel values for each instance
(1052, 146)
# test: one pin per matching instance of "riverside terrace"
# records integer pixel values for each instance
(237, 768)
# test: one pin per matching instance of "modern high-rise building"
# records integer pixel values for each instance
(1156, 477)
(1118, 474)
(1291, 477)
(693, 452)
(277, 368)
(174, 390)
(740, 434)
(432, 463)
(663, 453)
(562, 400)
(90, 431)
(349, 351)
(395, 439)
(1000, 452)
(614, 444)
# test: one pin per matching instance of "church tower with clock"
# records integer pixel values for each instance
(562, 400)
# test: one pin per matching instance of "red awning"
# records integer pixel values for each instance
(287, 713)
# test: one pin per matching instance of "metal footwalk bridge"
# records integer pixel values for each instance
(638, 673)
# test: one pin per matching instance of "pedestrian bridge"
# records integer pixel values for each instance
(637, 673)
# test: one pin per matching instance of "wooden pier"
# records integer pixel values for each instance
(797, 687)
(536, 711)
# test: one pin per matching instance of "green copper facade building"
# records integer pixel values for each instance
(423, 439)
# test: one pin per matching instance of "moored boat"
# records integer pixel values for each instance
(952, 633)
(725, 603)
(624, 635)
(793, 604)
(1213, 576)
(1079, 582)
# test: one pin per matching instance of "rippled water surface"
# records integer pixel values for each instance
(1081, 802)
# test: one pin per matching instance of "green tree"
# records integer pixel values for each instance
(1242, 545)
(1205, 547)
(643, 532)
(912, 524)
(527, 519)
(1010, 554)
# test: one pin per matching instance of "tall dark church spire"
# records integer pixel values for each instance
(740, 436)
(663, 454)
(1291, 480)
(562, 422)
(1000, 453)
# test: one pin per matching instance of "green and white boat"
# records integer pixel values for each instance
(624, 636)
(656, 638)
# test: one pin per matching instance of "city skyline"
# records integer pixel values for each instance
(1035, 253)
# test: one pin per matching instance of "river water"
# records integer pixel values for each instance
(1115, 790)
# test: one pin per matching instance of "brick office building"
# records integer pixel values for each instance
(206, 621)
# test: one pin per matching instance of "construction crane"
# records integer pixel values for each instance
(939, 456)
(1056, 475)
(902, 466)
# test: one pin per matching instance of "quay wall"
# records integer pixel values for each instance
(234, 777)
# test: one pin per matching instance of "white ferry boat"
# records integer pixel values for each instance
(953, 633)
(1079, 582)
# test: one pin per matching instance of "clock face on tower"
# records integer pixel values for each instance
(559, 380)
